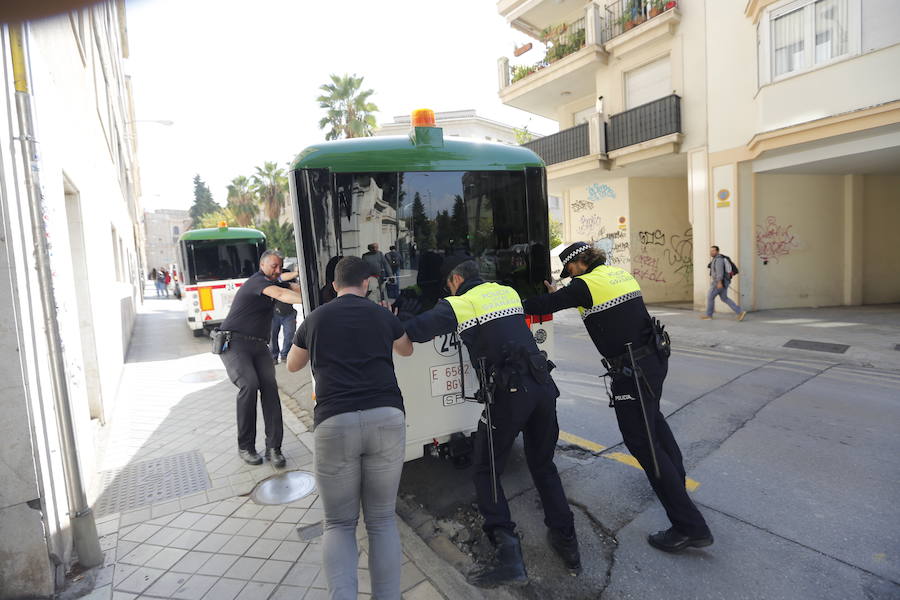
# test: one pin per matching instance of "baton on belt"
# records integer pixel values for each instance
(637, 385)
(486, 396)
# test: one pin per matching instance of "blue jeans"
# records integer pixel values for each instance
(359, 458)
(161, 289)
(289, 324)
(723, 294)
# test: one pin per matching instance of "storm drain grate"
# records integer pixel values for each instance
(817, 346)
(151, 481)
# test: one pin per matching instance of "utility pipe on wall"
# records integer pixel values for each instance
(84, 528)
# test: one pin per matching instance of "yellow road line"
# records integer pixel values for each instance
(581, 442)
(625, 459)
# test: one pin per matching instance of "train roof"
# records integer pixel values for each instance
(403, 153)
(222, 233)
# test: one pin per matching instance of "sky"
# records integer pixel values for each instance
(240, 79)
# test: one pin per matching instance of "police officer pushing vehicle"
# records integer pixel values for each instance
(636, 349)
(519, 395)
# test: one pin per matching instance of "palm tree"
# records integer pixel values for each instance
(241, 201)
(270, 185)
(348, 110)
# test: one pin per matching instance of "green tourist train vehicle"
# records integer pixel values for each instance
(213, 264)
(429, 198)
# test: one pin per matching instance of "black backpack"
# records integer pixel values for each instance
(734, 268)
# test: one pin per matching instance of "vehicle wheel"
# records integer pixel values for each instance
(200, 333)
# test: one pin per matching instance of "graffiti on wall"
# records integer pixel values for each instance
(774, 241)
(595, 192)
(665, 258)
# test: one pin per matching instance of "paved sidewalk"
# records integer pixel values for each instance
(215, 544)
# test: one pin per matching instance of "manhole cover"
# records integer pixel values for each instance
(207, 376)
(151, 481)
(284, 488)
(817, 346)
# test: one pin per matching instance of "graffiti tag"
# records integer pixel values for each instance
(598, 191)
(650, 238)
(646, 268)
(774, 241)
(680, 254)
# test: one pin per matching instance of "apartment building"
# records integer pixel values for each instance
(64, 87)
(765, 127)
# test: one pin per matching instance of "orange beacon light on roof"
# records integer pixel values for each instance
(422, 117)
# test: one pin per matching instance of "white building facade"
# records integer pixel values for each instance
(80, 102)
(768, 128)
(457, 123)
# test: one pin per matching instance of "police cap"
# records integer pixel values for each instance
(570, 254)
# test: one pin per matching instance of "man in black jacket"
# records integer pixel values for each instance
(610, 302)
(247, 359)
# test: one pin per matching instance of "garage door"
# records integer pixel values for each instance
(647, 83)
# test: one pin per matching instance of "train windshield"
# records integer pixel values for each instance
(417, 219)
(216, 260)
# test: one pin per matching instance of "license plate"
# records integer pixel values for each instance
(446, 380)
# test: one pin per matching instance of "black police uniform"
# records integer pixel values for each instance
(524, 400)
(611, 323)
(248, 361)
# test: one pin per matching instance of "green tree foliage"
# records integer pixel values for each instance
(280, 236)
(348, 111)
(203, 202)
(242, 202)
(421, 224)
(214, 218)
(523, 136)
(556, 233)
(270, 184)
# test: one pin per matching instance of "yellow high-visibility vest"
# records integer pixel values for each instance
(609, 286)
(483, 303)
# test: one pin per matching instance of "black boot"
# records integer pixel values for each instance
(250, 457)
(508, 569)
(275, 457)
(671, 540)
(566, 546)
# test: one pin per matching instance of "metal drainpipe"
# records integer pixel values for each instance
(84, 528)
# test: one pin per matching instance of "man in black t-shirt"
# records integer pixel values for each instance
(248, 361)
(360, 432)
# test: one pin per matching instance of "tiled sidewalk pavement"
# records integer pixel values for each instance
(216, 544)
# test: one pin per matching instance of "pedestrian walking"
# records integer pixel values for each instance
(168, 281)
(721, 270)
(360, 429)
(395, 260)
(161, 283)
(247, 359)
(635, 352)
(489, 319)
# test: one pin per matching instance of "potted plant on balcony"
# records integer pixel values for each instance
(657, 7)
(671, 4)
(636, 8)
(625, 21)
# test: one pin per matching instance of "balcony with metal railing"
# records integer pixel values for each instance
(573, 52)
(655, 125)
(567, 144)
(628, 24)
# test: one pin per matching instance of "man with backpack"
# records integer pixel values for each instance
(721, 270)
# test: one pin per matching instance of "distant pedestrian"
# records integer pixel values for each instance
(720, 273)
(161, 283)
(360, 430)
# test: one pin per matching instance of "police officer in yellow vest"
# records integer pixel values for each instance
(609, 300)
(490, 320)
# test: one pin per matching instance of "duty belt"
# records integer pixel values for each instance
(250, 338)
(619, 364)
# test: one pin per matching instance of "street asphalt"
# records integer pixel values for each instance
(791, 456)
